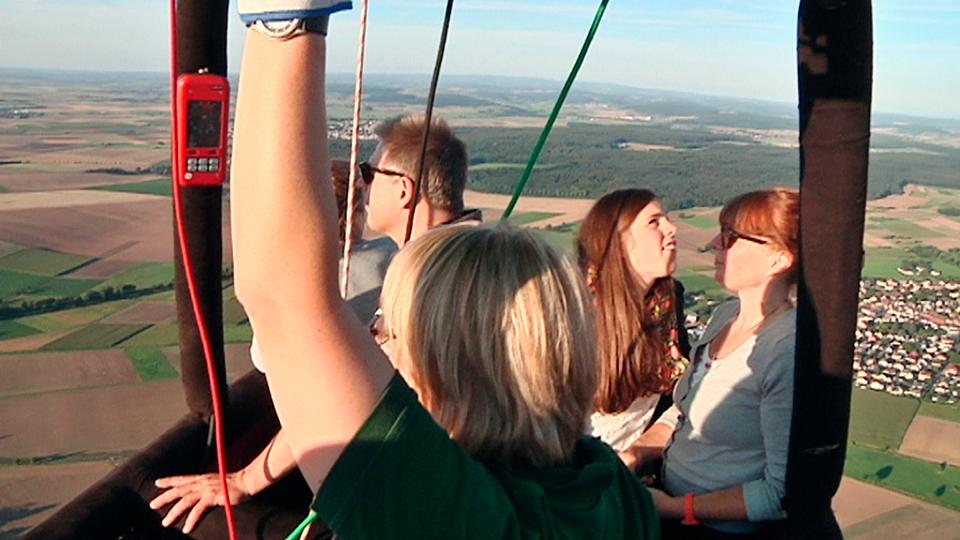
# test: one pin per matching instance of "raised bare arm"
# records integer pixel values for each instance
(325, 372)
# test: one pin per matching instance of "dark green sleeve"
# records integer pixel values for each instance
(403, 477)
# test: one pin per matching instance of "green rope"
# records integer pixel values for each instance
(556, 110)
(295, 535)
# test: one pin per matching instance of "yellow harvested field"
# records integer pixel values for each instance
(641, 147)
(912, 197)
(40, 179)
(507, 121)
(102, 269)
(932, 439)
(147, 312)
(237, 359)
(32, 493)
(569, 210)
(127, 226)
(30, 343)
(43, 372)
(858, 501)
(70, 198)
(90, 420)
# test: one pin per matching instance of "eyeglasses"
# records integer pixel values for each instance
(728, 236)
(377, 330)
(368, 172)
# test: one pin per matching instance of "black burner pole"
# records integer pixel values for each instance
(835, 71)
(201, 44)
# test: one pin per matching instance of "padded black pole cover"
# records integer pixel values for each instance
(835, 66)
(201, 43)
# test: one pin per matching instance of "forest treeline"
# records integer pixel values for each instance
(693, 166)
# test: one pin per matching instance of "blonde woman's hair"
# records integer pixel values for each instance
(495, 332)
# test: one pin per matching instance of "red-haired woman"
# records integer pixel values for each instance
(627, 249)
(724, 442)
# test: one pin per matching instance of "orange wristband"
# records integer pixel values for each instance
(689, 517)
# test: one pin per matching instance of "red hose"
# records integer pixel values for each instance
(191, 285)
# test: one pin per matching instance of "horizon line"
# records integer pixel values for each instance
(490, 76)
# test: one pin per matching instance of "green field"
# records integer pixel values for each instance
(233, 312)
(882, 262)
(930, 482)
(21, 284)
(44, 262)
(911, 230)
(142, 275)
(7, 248)
(12, 283)
(14, 329)
(166, 296)
(241, 333)
(517, 166)
(44, 167)
(158, 335)
(941, 411)
(96, 336)
(947, 270)
(151, 364)
(878, 419)
(158, 186)
(530, 217)
(70, 318)
(911, 521)
(563, 237)
(700, 282)
(62, 287)
(700, 222)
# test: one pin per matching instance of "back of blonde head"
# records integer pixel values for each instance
(495, 332)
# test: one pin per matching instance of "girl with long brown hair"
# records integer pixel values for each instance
(627, 249)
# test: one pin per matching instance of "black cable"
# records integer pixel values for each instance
(427, 120)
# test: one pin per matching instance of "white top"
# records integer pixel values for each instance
(622, 429)
(732, 420)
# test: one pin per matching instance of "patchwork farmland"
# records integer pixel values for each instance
(85, 251)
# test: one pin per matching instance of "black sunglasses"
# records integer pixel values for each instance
(368, 172)
(729, 235)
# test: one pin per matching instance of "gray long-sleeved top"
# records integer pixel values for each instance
(732, 420)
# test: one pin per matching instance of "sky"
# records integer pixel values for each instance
(741, 48)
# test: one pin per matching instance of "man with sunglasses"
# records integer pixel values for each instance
(390, 175)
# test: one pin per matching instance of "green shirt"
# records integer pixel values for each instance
(403, 477)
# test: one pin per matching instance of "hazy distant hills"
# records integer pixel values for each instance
(694, 150)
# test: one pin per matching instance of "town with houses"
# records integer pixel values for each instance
(343, 129)
(907, 336)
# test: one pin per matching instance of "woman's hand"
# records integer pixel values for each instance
(198, 493)
(630, 458)
(637, 456)
(667, 506)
